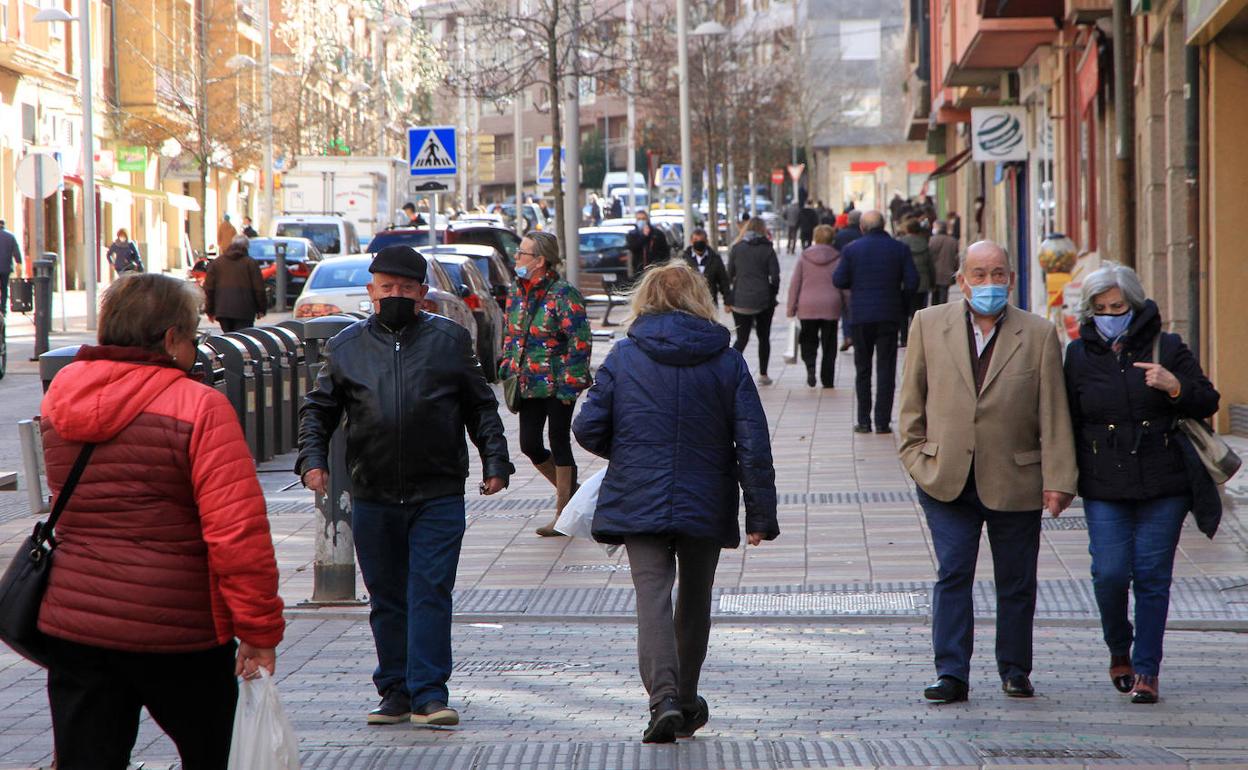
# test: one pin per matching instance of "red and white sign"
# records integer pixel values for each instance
(777, 176)
(795, 171)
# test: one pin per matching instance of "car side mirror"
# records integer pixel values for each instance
(464, 291)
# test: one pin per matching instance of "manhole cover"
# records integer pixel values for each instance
(846, 603)
(595, 568)
(488, 666)
(1037, 753)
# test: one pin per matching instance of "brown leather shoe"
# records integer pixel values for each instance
(1147, 689)
(1121, 673)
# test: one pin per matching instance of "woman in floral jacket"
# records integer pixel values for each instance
(548, 347)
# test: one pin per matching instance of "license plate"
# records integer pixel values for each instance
(609, 277)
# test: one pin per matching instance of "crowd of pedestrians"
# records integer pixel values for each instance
(994, 429)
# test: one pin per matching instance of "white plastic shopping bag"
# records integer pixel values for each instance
(790, 349)
(263, 737)
(577, 519)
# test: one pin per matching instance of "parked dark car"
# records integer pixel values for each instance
(475, 292)
(416, 237)
(492, 265)
(301, 256)
(485, 234)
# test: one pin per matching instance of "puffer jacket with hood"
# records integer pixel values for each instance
(754, 274)
(675, 410)
(164, 546)
(233, 287)
(812, 295)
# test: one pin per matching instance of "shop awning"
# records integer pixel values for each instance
(141, 192)
(950, 166)
(183, 202)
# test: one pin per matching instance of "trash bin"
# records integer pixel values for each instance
(297, 384)
(209, 369)
(55, 360)
(240, 385)
(316, 332)
(280, 441)
(22, 295)
(262, 368)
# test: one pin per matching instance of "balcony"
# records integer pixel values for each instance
(26, 59)
(983, 46)
(1088, 11)
(1018, 9)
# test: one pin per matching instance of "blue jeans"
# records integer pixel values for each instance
(408, 556)
(1132, 543)
(1014, 537)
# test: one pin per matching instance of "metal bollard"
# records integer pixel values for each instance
(280, 276)
(333, 576)
(44, 269)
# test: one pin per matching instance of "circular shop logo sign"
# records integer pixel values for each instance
(1000, 134)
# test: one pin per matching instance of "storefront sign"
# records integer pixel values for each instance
(132, 159)
(997, 134)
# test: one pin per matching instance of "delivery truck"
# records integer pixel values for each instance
(369, 192)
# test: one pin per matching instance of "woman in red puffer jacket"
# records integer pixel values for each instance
(164, 555)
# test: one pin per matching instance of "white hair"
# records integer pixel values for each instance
(1107, 277)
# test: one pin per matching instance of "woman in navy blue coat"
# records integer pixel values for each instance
(675, 411)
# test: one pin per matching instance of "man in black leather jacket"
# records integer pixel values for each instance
(409, 384)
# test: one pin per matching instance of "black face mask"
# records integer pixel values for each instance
(396, 312)
(699, 247)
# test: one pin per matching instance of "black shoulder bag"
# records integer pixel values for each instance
(26, 579)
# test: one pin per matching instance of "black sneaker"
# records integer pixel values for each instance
(665, 719)
(435, 713)
(862, 429)
(696, 716)
(395, 707)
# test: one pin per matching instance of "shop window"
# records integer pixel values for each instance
(29, 128)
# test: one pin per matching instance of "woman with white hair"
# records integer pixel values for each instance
(1129, 383)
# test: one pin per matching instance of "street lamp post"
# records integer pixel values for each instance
(686, 138)
(709, 29)
(90, 250)
(241, 61)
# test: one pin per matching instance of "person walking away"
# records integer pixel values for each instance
(944, 255)
(791, 212)
(595, 210)
(676, 415)
(1129, 383)
(248, 230)
(410, 385)
(123, 255)
(547, 346)
(754, 283)
(701, 257)
(225, 234)
(235, 290)
(617, 208)
(807, 221)
(165, 587)
(10, 252)
(881, 275)
(845, 235)
(816, 302)
(916, 239)
(986, 436)
(647, 243)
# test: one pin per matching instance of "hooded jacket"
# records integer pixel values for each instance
(164, 545)
(754, 274)
(234, 288)
(812, 295)
(675, 411)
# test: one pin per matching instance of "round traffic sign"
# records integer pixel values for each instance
(36, 166)
(777, 176)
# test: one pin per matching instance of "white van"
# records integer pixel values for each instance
(331, 234)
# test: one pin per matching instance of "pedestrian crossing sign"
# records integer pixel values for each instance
(546, 165)
(432, 152)
(669, 176)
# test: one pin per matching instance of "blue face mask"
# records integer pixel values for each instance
(989, 299)
(522, 271)
(1112, 327)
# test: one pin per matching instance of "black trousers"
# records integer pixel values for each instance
(235, 324)
(878, 340)
(556, 416)
(746, 322)
(792, 242)
(4, 292)
(97, 696)
(820, 337)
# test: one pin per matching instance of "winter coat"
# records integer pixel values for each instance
(753, 273)
(234, 288)
(922, 260)
(557, 344)
(807, 221)
(845, 236)
(1124, 430)
(812, 295)
(408, 398)
(124, 257)
(10, 251)
(648, 249)
(675, 411)
(716, 274)
(881, 273)
(164, 545)
(944, 251)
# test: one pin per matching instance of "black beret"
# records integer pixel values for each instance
(400, 260)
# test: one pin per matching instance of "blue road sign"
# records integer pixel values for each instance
(669, 176)
(431, 151)
(546, 165)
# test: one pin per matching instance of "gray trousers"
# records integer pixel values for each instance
(671, 647)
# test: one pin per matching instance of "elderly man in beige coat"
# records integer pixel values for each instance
(986, 435)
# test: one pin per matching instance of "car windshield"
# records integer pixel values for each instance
(266, 249)
(324, 235)
(591, 242)
(341, 275)
(414, 238)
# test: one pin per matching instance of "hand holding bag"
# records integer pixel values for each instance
(1215, 454)
(791, 347)
(263, 737)
(577, 518)
(26, 579)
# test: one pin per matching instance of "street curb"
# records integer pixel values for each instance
(361, 614)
